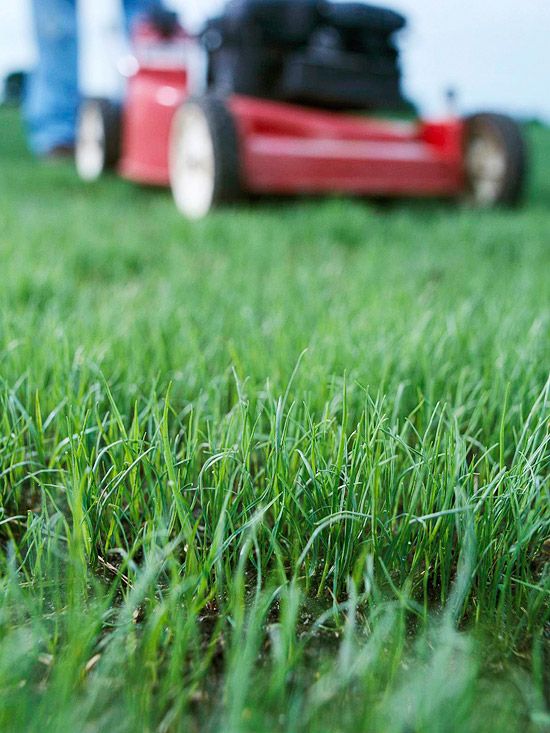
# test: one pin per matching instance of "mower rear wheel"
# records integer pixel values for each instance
(98, 138)
(204, 157)
(495, 159)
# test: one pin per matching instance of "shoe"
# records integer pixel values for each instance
(59, 152)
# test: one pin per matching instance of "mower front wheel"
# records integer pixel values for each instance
(204, 157)
(98, 138)
(495, 160)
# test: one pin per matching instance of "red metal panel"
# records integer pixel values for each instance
(153, 98)
(289, 149)
(155, 91)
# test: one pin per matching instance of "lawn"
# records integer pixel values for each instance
(286, 469)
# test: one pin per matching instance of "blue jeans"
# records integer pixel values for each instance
(51, 105)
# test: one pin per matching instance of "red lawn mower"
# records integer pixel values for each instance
(290, 104)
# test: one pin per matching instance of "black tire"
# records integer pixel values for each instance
(209, 116)
(496, 160)
(98, 139)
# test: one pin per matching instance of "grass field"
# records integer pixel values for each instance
(283, 470)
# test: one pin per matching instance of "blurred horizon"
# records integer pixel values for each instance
(495, 54)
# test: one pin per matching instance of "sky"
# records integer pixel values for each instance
(495, 53)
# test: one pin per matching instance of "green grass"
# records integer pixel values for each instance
(283, 470)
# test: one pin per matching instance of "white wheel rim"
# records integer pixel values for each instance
(486, 164)
(192, 162)
(90, 144)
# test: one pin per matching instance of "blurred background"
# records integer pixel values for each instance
(495, 53)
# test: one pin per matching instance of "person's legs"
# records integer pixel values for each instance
(52, 98)
(52, 95)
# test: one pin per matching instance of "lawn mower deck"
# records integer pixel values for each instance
(219, 145)
(290, 149)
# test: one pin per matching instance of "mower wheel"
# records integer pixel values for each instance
(495, 159)
(204, 156)
(98, 138)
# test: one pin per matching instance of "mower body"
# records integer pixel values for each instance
(159, 82)
(262, 107)
(285, 148)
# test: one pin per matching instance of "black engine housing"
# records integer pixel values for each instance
(332, 55)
